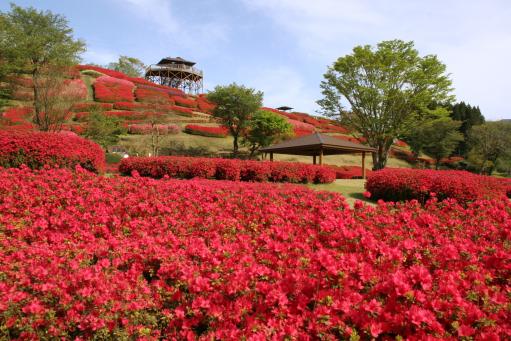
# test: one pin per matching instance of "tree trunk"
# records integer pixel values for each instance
(235, 145)
(380, 157)
(37, 101)
(437, 164)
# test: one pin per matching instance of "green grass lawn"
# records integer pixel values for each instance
(351, 189)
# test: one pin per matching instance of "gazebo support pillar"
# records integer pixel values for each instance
(313, 159)
(363, 165)
(321, 156)
(271, 156)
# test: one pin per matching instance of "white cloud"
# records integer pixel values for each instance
(472, 37)
(282, 86)
(99, 56)
(181, 31)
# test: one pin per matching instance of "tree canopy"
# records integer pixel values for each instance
(264, 129)
(235, 104)
(441, 138)
(386, 89)
(104, 130)
(469, 116)
(37, 42)
(490, 143)
(130, 66)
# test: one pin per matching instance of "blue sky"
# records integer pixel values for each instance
(283, 47)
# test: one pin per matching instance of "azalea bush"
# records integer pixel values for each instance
(88, 106)
(348, 172)
(208, 131)
(182, 110)
(110, 89)
(88, 257)
(226, 169)
(39, 149)
(152, 96)
(185, 102)
(406, 184)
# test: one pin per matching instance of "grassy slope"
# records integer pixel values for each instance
(352, 189)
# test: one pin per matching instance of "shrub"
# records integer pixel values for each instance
(406, 184)
(182, 111)
(204, 105)
(131, 106)
(301, 125)
(152, 96)
(226, 169)
(110, 89)
(135, 258)
(17, 115)
(37, 149)
(185, 102)
(348, 172)
(195, 129)
(302, 132)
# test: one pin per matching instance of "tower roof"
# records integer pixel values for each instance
(175, 60)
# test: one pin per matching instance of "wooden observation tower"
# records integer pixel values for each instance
(177, 73)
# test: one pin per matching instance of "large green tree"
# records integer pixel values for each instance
(33, 42)
(441, 138)
(265, 128)
(104, 130)
(489, 142)
(235, 104)
(131, 66)
(386, 88)
(469, 116)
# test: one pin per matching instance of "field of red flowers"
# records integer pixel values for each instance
(84, 256)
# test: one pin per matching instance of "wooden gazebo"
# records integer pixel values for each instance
(318, 145)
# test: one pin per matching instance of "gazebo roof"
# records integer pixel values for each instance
(284, 108)
(176, 60)
(314, 143)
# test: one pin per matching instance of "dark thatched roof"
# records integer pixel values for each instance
(314, 143)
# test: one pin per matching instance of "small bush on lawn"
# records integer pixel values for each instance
(195, 129)
(185, 102)
(223, 169)
(37, 149)
(162, 129)
(152, 96)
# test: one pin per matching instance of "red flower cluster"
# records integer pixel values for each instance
(182, 110)
(226, 169)
(110, 89)
(37, 149)
(400, 143)
(195, 129)
(205, 105)
(90, 257)
(16, 115)
(185, 102)
(162, 129)
(406, 184)
(333, 128)
(348, 138)
(88, 106)
(298, 125)
(302, 132)
(152, 96)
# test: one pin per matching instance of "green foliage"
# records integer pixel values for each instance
(489, 143)
(113, 158)
(387, 88)
(441, 137)
(130, 66)
(265, 128)
(33, 41)
(234, 106)
(104, 130)
(470, 116)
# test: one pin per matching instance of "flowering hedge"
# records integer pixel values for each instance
(226, 169)
(182, 110)
(152, 96)
(37, 149)
(195, 129)
(348, 172)
(185, 102)
(162, 129)
(406, 184)
(110, 89)
(205, 105)
(219, 260)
